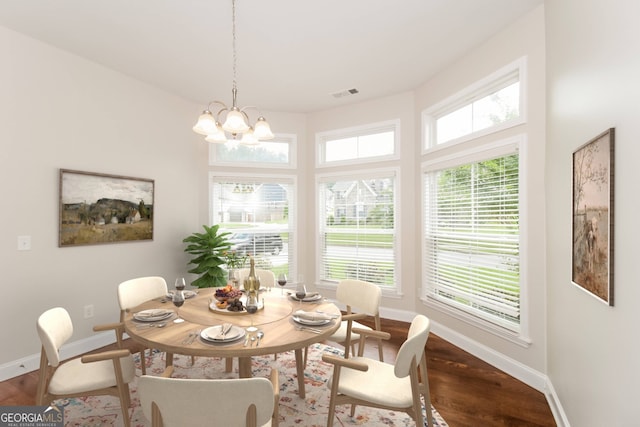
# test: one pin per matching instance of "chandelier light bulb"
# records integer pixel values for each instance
(248, 138)
(262, 129)
(206, 123)
(235, 122)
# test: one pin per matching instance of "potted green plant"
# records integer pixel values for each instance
(208, 249)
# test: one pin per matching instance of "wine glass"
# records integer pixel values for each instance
(180, 284)
(301, 292)
(252, 304)
(282, 280)
(178, 301)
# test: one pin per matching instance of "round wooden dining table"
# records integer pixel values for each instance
(274, 319)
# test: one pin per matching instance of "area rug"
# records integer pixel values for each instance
(312, 411)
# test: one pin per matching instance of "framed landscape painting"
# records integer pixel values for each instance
(99, 208)
(593, 185)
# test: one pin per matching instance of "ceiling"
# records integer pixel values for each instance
(292, 55)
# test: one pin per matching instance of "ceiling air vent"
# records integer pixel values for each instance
(343, 93)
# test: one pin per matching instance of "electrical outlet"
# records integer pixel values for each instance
(88, 311)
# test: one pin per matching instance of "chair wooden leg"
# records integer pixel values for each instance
(415, 390)
(43, 378)
(424, 389)
(332, 397)
(143, 362)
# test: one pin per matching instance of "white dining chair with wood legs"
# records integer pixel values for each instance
(132, 293)
(104, 373)
(368, 382)
(182, 402)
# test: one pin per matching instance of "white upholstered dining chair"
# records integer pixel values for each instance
(132, 293)
(182, 402)
(362, 299)
(369, 382)
(104, 373)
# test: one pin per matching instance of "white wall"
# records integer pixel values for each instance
(593, 63)
(61, 111)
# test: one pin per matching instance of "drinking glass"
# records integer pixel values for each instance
(301, 292)
(178, 301)
(180, 284)
(282, 280)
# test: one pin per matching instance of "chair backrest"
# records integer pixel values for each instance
(413, 346)
(267, 277)
(134, 292)
(362, 296)
(205, 402)
(54, 328)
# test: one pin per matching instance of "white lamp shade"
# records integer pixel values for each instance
(248, 138)
(218, 136)
(206, 124)
(235, 122)
(262, 130)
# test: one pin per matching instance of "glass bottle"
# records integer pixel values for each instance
(251, 283)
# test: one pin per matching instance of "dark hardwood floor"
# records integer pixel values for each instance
(466, 391)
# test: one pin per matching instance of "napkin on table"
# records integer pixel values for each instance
(152, 313)
(312, 315)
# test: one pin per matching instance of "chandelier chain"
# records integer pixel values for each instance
(233, 31)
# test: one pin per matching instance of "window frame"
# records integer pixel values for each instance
(292, 209)
(499, 148)
(357, 131)
(467, 96)
(291, 139)
(394, 291)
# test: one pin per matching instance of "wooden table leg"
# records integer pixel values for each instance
(244, 367)
(169, 359)
(300, 371)
(228, 364)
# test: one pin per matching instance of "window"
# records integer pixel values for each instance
(358, 145)
(471, 233)
(492, 104)
(357, 227)
(471, 182)
(260, 214)
(278, 152)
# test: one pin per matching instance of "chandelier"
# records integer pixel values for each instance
(236, 121)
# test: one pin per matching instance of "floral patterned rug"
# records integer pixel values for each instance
(312, 411)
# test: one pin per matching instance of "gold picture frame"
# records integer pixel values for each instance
(98, 208)
(593, 197)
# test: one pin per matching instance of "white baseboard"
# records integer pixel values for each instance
(72, 349)
(556, 408)
(531, 377)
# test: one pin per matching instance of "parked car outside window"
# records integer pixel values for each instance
(255, 243)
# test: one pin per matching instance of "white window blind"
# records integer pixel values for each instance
(472, 238)
(357, 228)
(260, 214)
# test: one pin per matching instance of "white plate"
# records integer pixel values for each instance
(312, 298)
(187, 294)
(152, 315)
(212, 334)
(308, 322)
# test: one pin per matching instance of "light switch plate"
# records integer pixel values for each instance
(24, 243)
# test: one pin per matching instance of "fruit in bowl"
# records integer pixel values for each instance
(227, 292)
